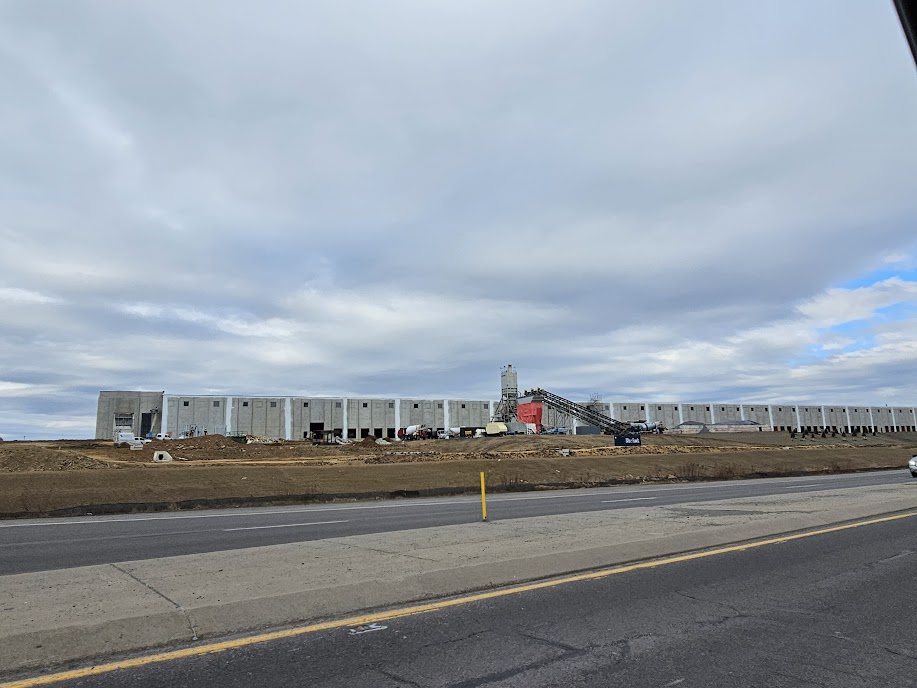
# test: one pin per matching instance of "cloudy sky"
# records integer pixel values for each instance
(661, 200)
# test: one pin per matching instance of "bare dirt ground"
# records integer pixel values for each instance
(43, 477)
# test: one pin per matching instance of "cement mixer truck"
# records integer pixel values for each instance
(413, 432)
(643, 426)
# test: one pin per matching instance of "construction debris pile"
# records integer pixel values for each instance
(261, 439)
(16, 457)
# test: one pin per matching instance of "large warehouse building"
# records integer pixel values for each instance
(279, 417)
(779, 416)
(303, 417)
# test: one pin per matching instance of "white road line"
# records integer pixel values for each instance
(634, 499)
(285, 525)
(796, 487)
(468, 500)
(102, 521)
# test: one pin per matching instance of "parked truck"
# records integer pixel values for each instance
(413, 432)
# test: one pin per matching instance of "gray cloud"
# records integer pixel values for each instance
(641, 199)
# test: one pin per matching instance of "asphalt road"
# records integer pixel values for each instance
(833, 609)
(47, 544)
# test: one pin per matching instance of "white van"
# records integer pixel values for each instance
(122, 438)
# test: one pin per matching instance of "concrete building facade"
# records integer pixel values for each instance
(810, 418)
(667, 414)
(469, 414)
(777, 417)
(311, 416)
(697, 412)
(631, 411)
(727, 413)
(265, 416)
(429, 412)
(137, 412)
(301, 417)
(195, 415)
(280, 417)
(859, 416)
(375, 417)
(783, 416)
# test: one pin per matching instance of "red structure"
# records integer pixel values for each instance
(531, 413)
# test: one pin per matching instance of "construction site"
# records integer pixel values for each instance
(529, 441)
(534, 411)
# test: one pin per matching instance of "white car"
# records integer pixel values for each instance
(912, 464)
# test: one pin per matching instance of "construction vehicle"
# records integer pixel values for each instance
(416, 432)
(643, 426)
(495, 428)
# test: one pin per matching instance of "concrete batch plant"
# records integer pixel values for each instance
(288, 417)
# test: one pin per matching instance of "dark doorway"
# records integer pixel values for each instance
(146, 424)
(316, 429)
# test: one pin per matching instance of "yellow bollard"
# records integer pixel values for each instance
(483, 499)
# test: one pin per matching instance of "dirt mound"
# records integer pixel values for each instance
(34, 456)
(15, 458)
(215, 447)
(405, 457)
(366, 444)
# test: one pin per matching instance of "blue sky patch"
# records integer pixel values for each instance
(877, 276)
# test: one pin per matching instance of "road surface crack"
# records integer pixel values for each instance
(182, 610)
(554, 643)
(452, 641)
(738, 613)
(899, 653)
(399, 679)
(500, 676)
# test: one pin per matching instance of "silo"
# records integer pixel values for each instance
(509, 393)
